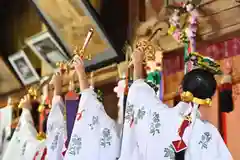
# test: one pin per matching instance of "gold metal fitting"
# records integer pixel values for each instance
(148, 49)
(33, 92)
(78, 51)
(64, 67)
(41, 136)
(188, 97)
(41, 108)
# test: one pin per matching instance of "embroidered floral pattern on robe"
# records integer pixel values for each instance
(169, 153)
(75, 145)
(94, 122)
(55, 141)
(140, 115)
(129, 113)
(17, 139)
(106, 138)
(50, 128)
(205, 139)
(155, 124)
(23, 148)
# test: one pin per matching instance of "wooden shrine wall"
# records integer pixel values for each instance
(219, 51)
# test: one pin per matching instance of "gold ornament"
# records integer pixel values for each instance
(79, 52)
(33, 92)
(146, 47)
(172, 29)
(41, 108)
(41, 136)
(188, 97)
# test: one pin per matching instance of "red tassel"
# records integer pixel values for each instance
(184, 125)
(179, 145)
(225, 86)
(44, 154)
(79, 115)
(224, 126)
(63, 153)
(131, 124)
(35, 156)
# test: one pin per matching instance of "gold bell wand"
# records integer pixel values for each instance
(81, 52)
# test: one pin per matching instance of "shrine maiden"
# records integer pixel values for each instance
(56, 124)
(24, 144)
(94, 136)
(5, 126)
(152, 131)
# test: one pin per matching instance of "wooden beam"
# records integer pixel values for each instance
(101, 77)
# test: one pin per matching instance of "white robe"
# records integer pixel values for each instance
(94, 135)
(23, 144)
(151, 127)
(56, 130)
(5, 126)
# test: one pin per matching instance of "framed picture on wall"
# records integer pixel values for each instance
(23, 68)
(46, 48)
(69, 23)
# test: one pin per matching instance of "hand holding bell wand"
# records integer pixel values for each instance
(80, 52)
(78, 64)
(32, 94)
(56, 81)
(66, 67)
(145, 46)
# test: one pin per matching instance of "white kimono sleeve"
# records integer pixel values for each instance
(141, 94)
(94, 135)
(217, 148)
(56, 118)
(129, 144)
(223, 152)
(56, 130)
(6, 120)
(40, 151)
(31, 147)
(24, 132)
(141, 98)
(206, 143)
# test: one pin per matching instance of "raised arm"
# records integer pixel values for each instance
(140, 93)
(56, 115)
(94, 135)
(24, 134)
(26, 119)
(137, 58)
(82, 77)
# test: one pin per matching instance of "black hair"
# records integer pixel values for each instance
(201, 83)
